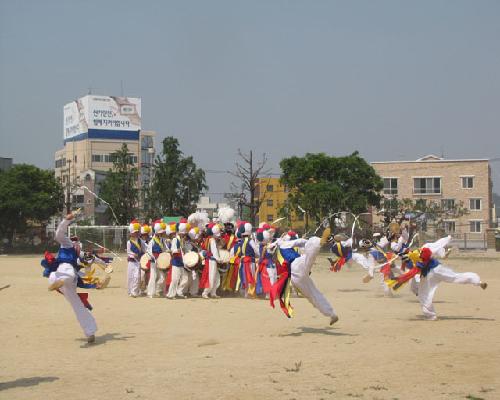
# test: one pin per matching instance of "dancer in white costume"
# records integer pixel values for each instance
(156, 246)
(432, 273)
(210, 277)
(65, 278)
(145, 238)
(179, 272)
(440, 248)
(301, 266)
(135, 249)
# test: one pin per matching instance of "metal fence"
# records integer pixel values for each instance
(101, 238)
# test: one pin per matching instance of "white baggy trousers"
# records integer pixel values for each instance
(179, 274)
(213, 279)
(301, 267)
(438, 247)
(134, 278)
(66, 273)
(429, 284)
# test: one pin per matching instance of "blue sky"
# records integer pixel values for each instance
(393, 79)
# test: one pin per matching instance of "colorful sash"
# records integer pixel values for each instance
(282, 289)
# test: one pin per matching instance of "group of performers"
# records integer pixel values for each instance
(397, 263)
(197, 257)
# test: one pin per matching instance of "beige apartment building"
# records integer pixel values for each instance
(86, 162)
(447, 182)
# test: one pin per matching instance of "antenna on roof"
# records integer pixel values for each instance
(442, 151)
(121, 87)
(90, 90)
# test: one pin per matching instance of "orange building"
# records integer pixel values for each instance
(272, 196)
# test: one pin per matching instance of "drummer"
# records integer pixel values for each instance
(210, 278)
(190, 282)
(156, 246)
(145, 238)
(135, 249)
(179, 273)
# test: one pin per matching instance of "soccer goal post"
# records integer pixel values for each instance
(101, 238)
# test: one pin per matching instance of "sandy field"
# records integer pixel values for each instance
(234, 348)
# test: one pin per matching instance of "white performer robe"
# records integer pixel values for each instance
(134, 270)
(301, 268)
(179, 274)
(156, 284)
(190, 281)
(67, 273)
(144, 274)
(369, 263)
(213, 271)
(429, 284)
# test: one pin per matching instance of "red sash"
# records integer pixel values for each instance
(278, 289)
(264, 276)
(204, 280)
(402, 279)
(236, 270)
(250, 279)
(338, 264)
(168, 279)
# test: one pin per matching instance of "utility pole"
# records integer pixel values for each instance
(68, 187)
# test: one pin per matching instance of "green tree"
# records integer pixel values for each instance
(28, 195)
(177, 182)
(322, 185)
(119, 188)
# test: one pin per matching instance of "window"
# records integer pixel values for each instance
(449, 226)
(270, 188)
(427, 185)
(467, 182)
(390, 185)
(270, 218)
(146, 142)
(475, 204)
(475, 226)
(448, 204)
(97, 158)
(78, 198)
(75, 158)
(270, 202)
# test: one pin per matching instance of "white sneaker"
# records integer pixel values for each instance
(204, 296)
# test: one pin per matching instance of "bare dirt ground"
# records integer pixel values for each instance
(234, 348)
